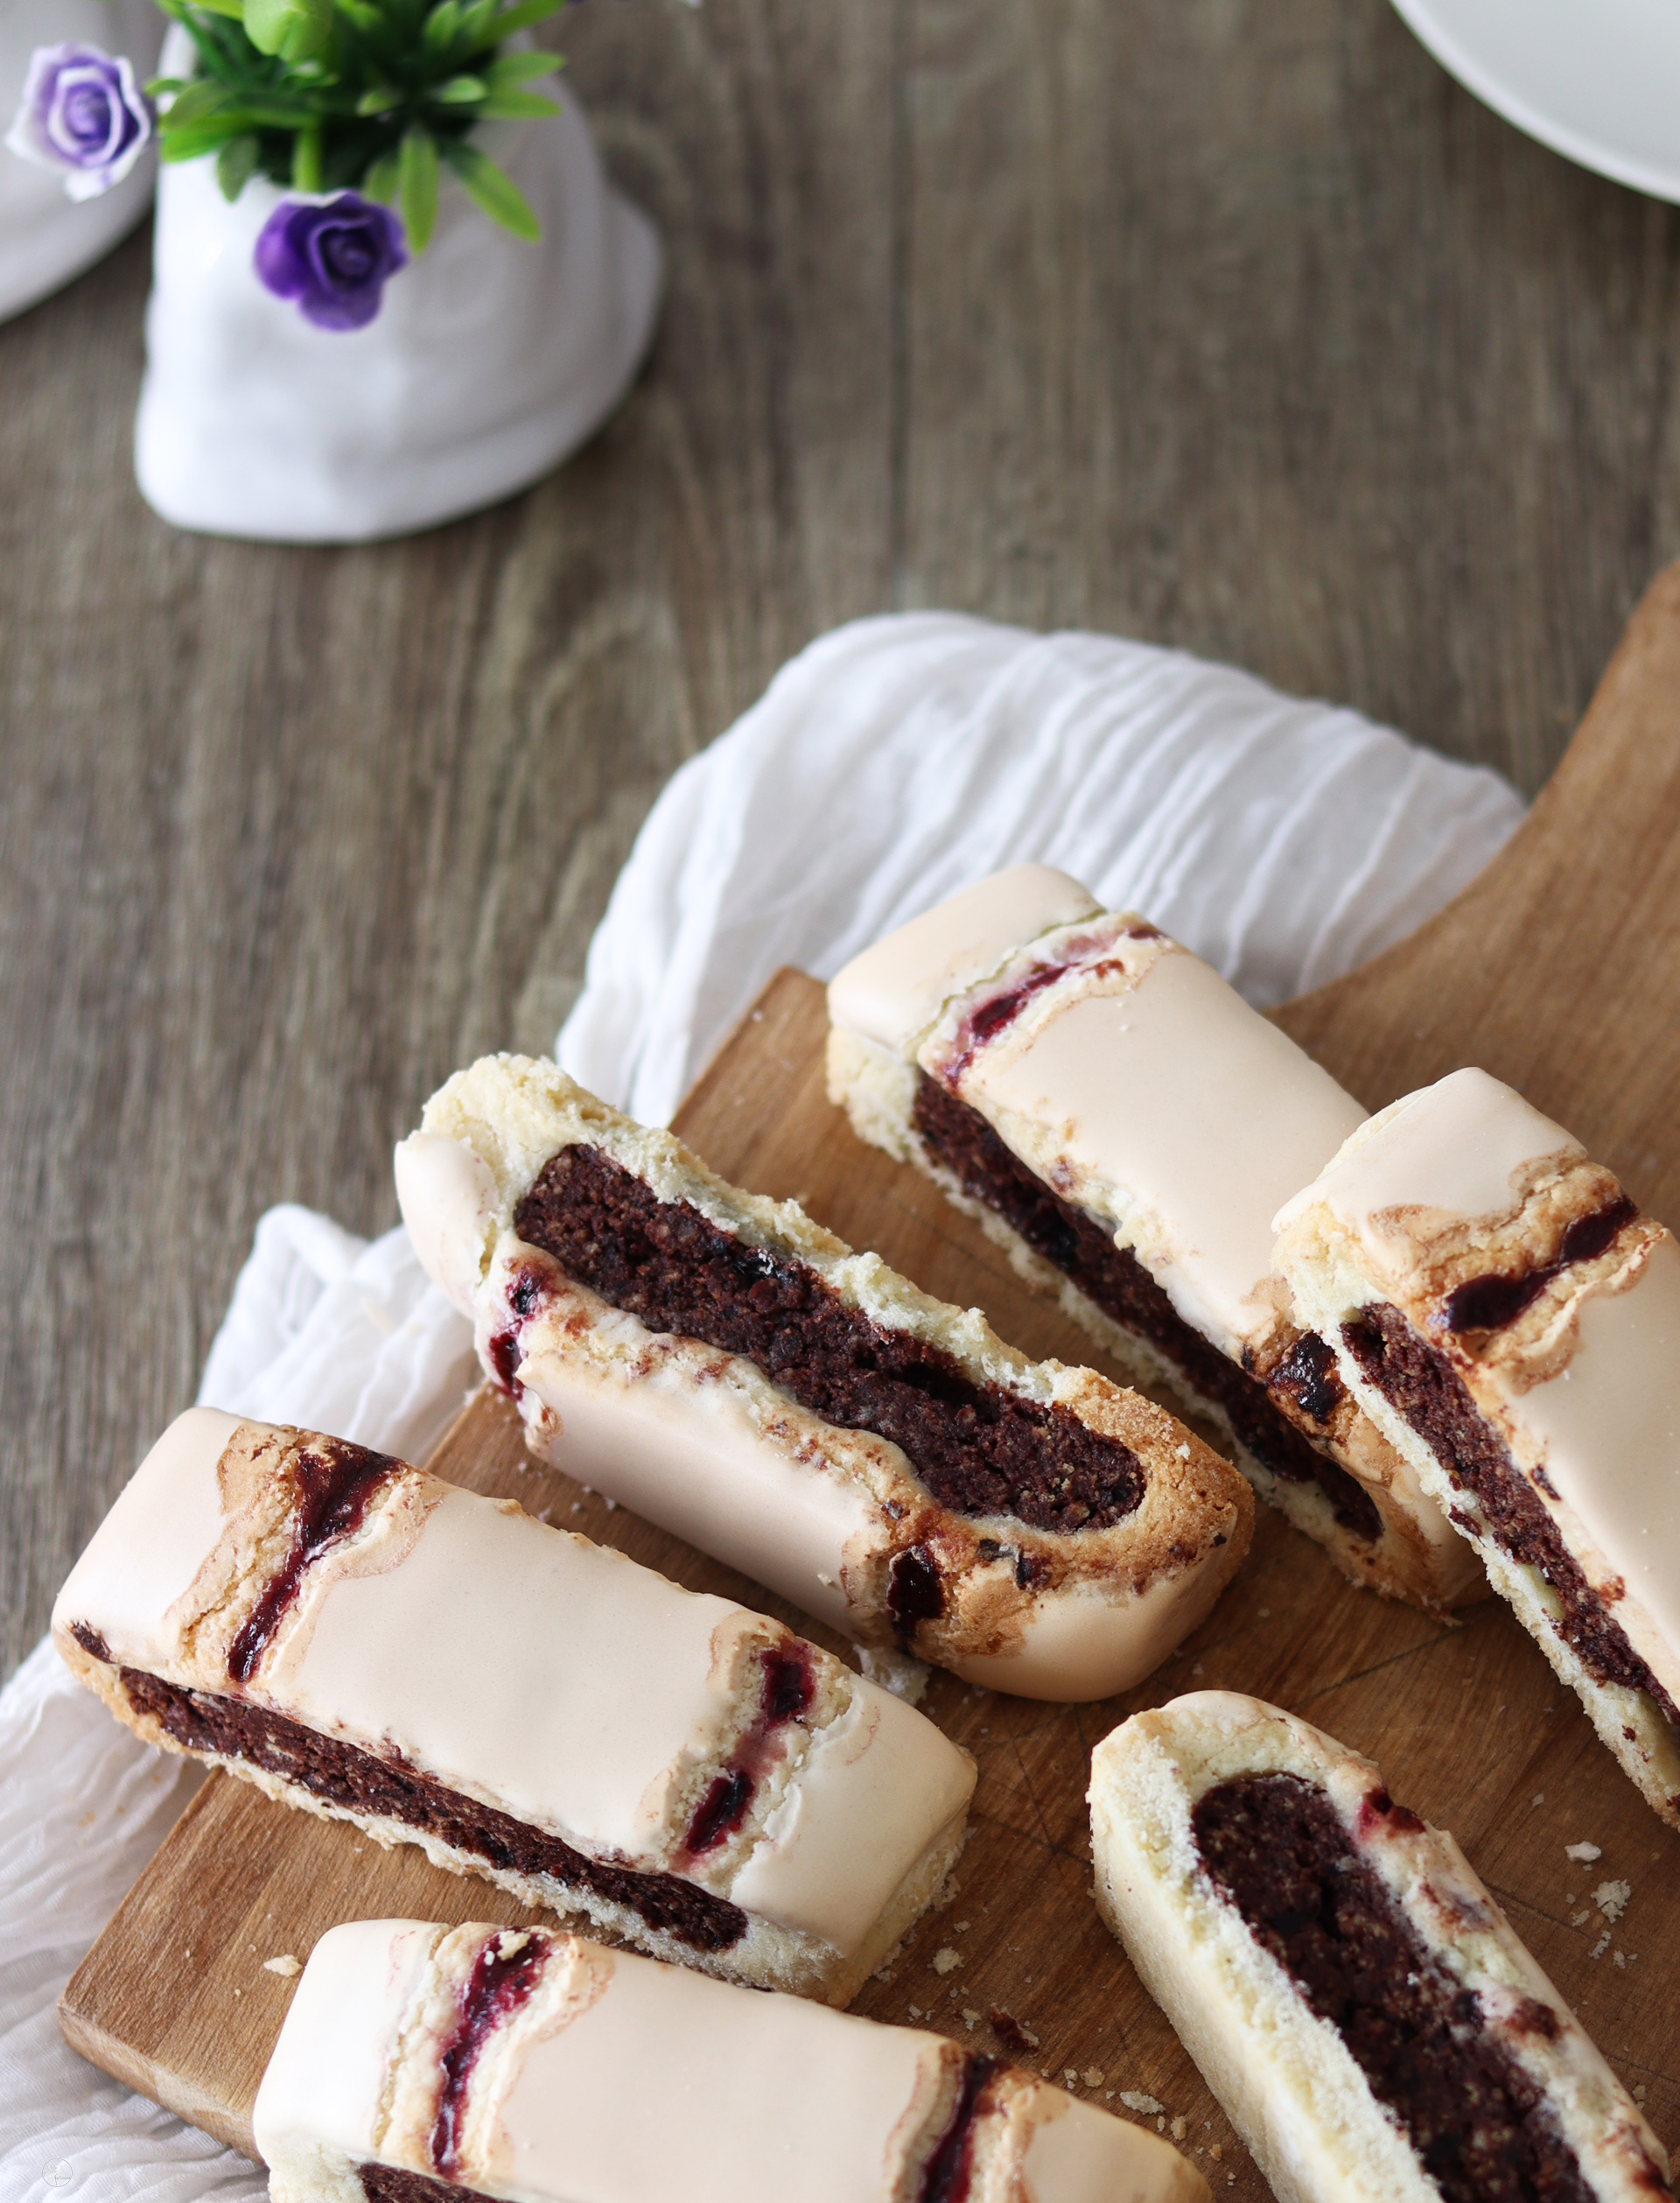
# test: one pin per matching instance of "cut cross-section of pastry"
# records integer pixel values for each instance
(722, 1365)
(419, 2063)
(356, 1637)
(1125, 1126)
(1512, 1321)
(1353, 1996)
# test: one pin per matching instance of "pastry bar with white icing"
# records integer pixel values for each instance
(358, 1637)
(1353, 1996)
(1512, 1321)
(419, 2063)
(1124, 1126)
(729, 1369)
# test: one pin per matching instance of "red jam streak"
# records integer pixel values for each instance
(335, 1482)
(504, 1360)
(914, 1591)
(950, 2169)
(789, 1686)
(499, 1983)
(1378, 1810)
(999, 1011)
(1488, 1303)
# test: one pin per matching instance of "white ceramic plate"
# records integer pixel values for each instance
(1596, 79)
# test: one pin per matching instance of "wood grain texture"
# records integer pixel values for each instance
(1466, 1720)
(1227, 323)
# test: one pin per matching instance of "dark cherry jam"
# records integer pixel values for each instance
(788, 1687)
(501, 1980)
(336, 1481)
(1489, 1303)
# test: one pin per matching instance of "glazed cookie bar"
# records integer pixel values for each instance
(729, 1369)
(420, 2065)
(1512, 1322)
(1353, 1994)
(359, 1639)
(1124, 1126)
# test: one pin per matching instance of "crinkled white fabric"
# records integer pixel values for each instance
(894, 761)
(898, 759)
(326, 1331)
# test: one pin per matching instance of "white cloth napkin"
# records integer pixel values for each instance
(893, 762)
(898, 759)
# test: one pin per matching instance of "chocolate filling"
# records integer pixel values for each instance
(361, 1782)
(1418, 1381)
(950, 2171)
(1117, 1282)
(389, 2183)
(501, 1980)
(335, 1480)
(979, 1448)
(1481, 2128)
(1490, 1302)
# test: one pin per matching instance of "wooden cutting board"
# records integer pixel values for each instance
(1560, 970)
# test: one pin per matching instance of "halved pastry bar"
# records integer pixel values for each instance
(1512, 1322)
(1125, 1126)
(1353, 1994)
(425, 2065)
(356, 1637)
(731, 1370)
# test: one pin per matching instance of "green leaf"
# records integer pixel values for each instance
(380, 181)
(507, 106)
(417, 186)
(441, 27)
(476, 20)
(379, 100)
(236, 165)
(521, 68)
(459, 91)
(189, 145)
(491, 192)
(292, 29)
(202, 97)
(161, 86)
(521, 17)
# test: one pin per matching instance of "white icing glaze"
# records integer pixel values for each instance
(1088, 1641)
(669, 1435)
(1176, 1109)
(1451, 1150)
(326, 2079)
(164, 1526)
(894, 990)
(448, 1199)
(1077, 2154)
(1607, 1431)
(821, 1865)
(748, 2098)
(554, 1678)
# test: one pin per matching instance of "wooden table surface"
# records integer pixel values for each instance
(1232, 324)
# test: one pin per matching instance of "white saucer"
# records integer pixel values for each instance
(1596, 79)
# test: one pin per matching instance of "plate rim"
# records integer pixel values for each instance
(1424, 19)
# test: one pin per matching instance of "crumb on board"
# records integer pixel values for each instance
(1010, 2031)
(915, 2011)
(1179, 2128)
(1580, 1919)
(1070, 2078)
(1538, 1798)
(970, 2017)
(1135, 2100)
(1601, 1946)
(1217, 2152)
(1611, 1898)
(946, 1960)
(1586, 1853)
(961, 1927)
(286, 1965)
(1093, 2076)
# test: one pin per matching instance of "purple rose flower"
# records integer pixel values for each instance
(82, 114)
(331, 256)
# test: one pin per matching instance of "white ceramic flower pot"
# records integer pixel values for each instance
(489, 360)
(44, 237)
